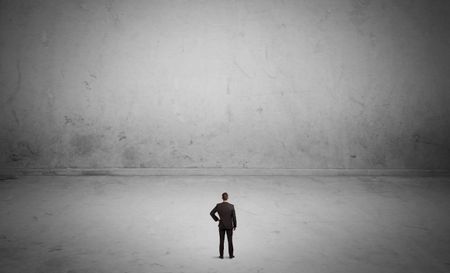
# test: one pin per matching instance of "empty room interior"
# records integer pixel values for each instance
(327, 122)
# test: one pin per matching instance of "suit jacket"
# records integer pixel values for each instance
(227, 215)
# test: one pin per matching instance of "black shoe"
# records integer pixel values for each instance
(221, 257)
(231, 257)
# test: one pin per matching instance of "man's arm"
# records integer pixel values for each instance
(213, 214)
(233, 214)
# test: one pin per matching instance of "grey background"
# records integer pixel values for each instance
(225, 84)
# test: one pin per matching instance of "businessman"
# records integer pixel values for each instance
(227, 223)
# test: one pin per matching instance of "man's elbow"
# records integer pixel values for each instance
(214, 217)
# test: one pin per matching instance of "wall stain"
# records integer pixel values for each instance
(229, 114)
(15, 157)
(87, 86)
(241, 69)
(85, 145)
(23, 150)
(122, 136)
(418, 139)
(83, 5)
(113, 15)
(15, 116)
(44, 38)
(5, 178)
(75, 120)
(19, 77)
(244, 164)
(360, 103)
(18, 82)
(68, 120)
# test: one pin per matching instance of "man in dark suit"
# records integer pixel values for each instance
(227, 223)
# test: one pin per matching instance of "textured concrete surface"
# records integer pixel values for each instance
(225, 84)
(285, 224)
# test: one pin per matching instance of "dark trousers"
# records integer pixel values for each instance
(229, 239)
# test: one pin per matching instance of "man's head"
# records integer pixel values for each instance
(224, 196)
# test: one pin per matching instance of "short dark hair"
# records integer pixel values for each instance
(225, 196)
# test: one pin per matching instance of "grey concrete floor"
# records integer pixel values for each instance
(285, 224)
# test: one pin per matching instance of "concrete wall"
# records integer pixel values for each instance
(220, 83)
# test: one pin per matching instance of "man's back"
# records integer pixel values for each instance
(227, 215)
